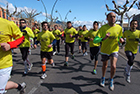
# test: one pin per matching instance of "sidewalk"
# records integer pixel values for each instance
(137, 58)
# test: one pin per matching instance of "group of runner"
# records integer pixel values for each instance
(105, 41)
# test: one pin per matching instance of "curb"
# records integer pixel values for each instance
(124, 57)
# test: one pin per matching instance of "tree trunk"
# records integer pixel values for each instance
(121, 22)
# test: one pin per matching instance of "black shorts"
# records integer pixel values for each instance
(24, 51)
(94, 53)
(79, 42)
(47, 55)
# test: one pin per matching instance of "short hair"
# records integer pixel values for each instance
(84, 25)
(22, 20)
(45, 23)
(95, 22)
(55, 25)
(68, 22)
(133, 21)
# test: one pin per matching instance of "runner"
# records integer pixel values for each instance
(94, 48)
(70, 34)
(83, 41)
(8, 31)
(80, 30)
(24, 47)
(109, 35)
(46, 39)
(57, 34)
(36, 31)
(132, 39)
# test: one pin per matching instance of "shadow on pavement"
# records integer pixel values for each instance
(75, 87)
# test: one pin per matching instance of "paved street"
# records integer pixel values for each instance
(75, 79)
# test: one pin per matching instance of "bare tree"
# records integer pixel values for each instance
(121, 10)
(31, 15)
(138, 5)
(8, 12)
(129, 17)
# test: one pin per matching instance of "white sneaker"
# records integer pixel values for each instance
(86, 53)
(53, 64)
(102, 83)
(30, 67)
(46, 61)
(26, 71)
(44, 76)
(23, 85)
(111, 85)
(128, 79)
(54, 53)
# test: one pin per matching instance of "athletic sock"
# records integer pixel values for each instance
(25, 64)
(19, 87)
(128, 69)
(43, 67)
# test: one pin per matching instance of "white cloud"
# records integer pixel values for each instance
(11, 7)
(121, 2)
(89, 24)
(133, 11)
(44, 14)
(4, 1)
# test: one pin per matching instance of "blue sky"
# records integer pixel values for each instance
(85, 11)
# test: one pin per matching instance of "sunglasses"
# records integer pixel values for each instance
(22, 22)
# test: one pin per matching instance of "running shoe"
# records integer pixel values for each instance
(94, 71)
(66, 64)
(23, 85)
(26, 71)
(30, 67)
(111, 85)
(72, 56)
(54, 53)
(102, 83)
(127, 77)
(44, 76)
(53, 64)
(86, 53)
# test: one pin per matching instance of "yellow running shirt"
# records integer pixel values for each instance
(27, 35)
(131, 43)
(110, 45)
(8, 30)
(67, 33)
(79, 34)
(83, 33)
(92, 34)
(36, 31)
(56, 33)
(45, 38)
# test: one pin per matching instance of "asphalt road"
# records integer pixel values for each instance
(74, 79)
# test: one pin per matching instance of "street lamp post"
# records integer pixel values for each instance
(52, 12)
(64, 19)
(44, 8)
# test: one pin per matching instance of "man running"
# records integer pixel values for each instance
(35, 31)
(70, 33)
(83, 41)
(8, 30)
(79, 38)
(57, 34)
(46, 39)
(94, 48)
(109, 35)
(132, 39)
(24, 47)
